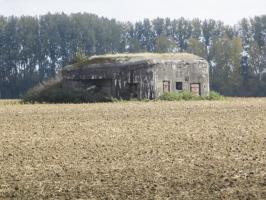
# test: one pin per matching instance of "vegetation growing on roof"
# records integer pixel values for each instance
(81, 60)
(132, 56)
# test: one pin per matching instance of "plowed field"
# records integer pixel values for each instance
(134, 150)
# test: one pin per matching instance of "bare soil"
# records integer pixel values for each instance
(135, 150)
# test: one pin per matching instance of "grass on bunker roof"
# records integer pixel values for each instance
(133, 57)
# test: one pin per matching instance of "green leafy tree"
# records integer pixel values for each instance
(196, 47)
(164, 44)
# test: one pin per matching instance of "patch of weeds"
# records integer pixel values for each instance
(189, 96)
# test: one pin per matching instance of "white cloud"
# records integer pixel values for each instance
(229, 11)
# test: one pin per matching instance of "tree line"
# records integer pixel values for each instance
(33, 49)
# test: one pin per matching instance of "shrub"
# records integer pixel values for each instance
(214, 96)
(187, 96)
(53, 92)
(37, 93)
(80, 57)
(173, 96)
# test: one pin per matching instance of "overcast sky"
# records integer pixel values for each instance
(229, 11)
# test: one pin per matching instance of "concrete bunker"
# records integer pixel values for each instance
(141, 76)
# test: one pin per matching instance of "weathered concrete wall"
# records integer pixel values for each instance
(185, 72)
(134, 81)
(140, 80)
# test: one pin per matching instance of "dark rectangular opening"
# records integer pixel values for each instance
(179, 86)
(132, 89)
(98, 85)
(131, 76)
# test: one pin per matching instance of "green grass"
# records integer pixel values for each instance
(188, 96)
